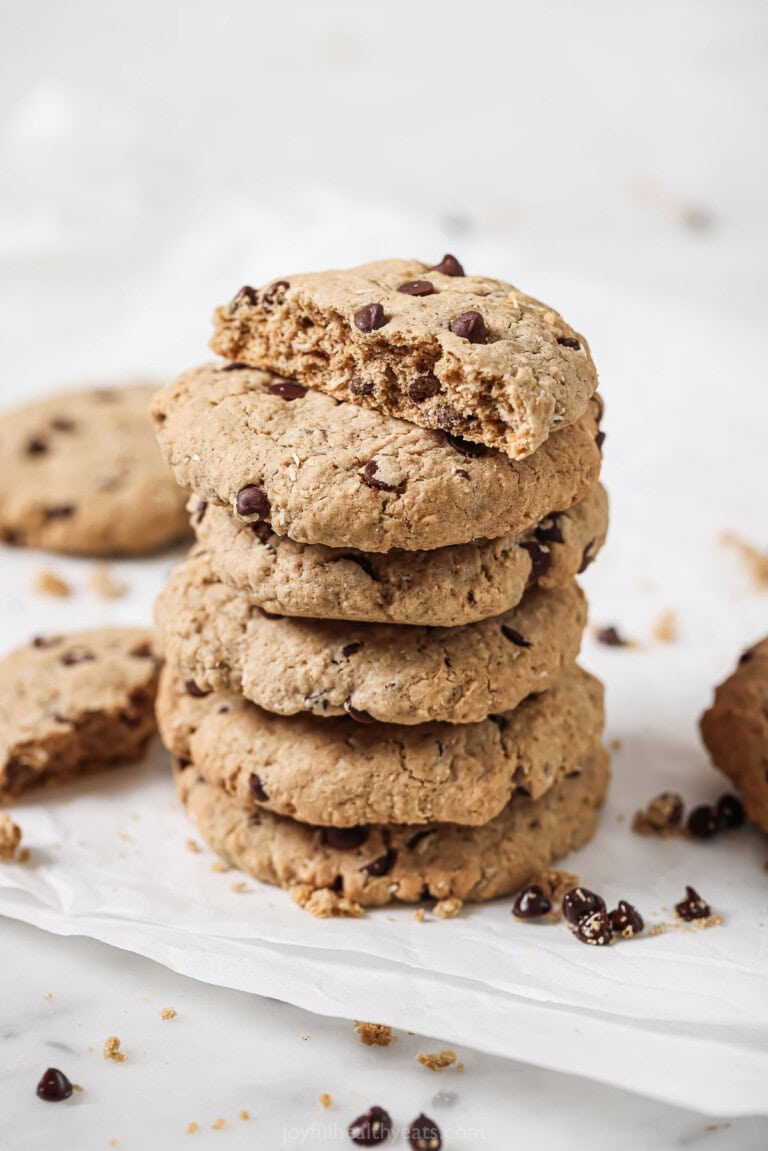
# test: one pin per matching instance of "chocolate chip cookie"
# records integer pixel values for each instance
(72, 703)
(735, 730)
(442, 588)
(338, 772)
(218, 639)
(469, 355)
(377, 863)
(324, 471)
(81, 473)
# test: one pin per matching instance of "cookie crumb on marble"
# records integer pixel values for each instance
(191, 1128)
(662, 816)
(420, 915)
(437, 1060)
(104, 584)
(324, 903)
(374, 1034)
(112, 1050)
(754, 560)
(168, 1013)
(10, 838)
(218, 1124)
(239, 888)
(49, 583)
(665, 628)
(448, 908)
(193, 846)
(325, 1100)
(48, 995)
(243, 1114)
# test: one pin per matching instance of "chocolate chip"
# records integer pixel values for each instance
(142, 651)
(594, 929)
(369, 478)
(77, 655)
(59, 511)
(548, 530)
(287, 390)
(569, 342)
(360, 387)
(541, 557)
(46, 640)
(611, 637)
(587, 558)
(693, 906)
(63, 424)
(356, 714)
(730, 812)
(54, 1086)
(256, 788)
(192, 689)
(253, 501)
(382, 865)
(703, 822)
(268, 295)
(514, 636)
(467, 448)
(370, 1129)
(531, 903)
(600, 440)
(350, 648)
(235, 366)
(369, 318)
(423, 388)
(246, 295)
(417, 288)
(424, 1135)
(36, 447)
(580, 901)
(448, 266)
(344, 838)
(470, 326)
(626, 920)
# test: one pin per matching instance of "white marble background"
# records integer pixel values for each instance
(605, 155)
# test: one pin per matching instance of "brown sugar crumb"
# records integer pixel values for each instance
(48, 583)
(10, 838)
(665, 628)
(437, 1060)
(325, 1100)
(239, 887)
(419, 914)
(755, 561)
(662, 816)
(243, 1114)
(324, 903)
(374, 1034)
(448, 908)
(191, 1128)
(168, 1012)
(104, 584)
(112, 1050)
(218, 1124)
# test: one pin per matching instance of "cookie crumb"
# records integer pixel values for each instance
(459, 1066)
(103, 583)
(168, 1013)
(48, 583)
(665, 628)
(616, 744)
(77, 1087)
(324, 903)
(218, 1124)
(243, 1114)
(191, 1128)
(191, 845)
(48, 995)
(239, 887)
(419, 914)
(687, 925)
(448, 908)
(220, 865)
(325, 1100)
(755, 561)
(437, 1060)
(611, 637)
(662, 816)
(374, 1034)
(112, 1050)
(10, 838)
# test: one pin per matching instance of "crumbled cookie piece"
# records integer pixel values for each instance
(104, 584)
(220, 866)
(49, 583)
(662, 816)
(448, 908)
(243, 1114)
(168, 1013)
(325, 1100)
(218, 1124)
(665, 628)
(48, 995)
(10, 838)
(193, 846)
(374, 1034)
(191, 1128)
(755, 561)
(420, 915)
(437, 1060)
(238, 888)
(324, 903)
(112, 1050)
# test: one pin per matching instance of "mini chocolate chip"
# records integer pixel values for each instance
(36, 447)
(257, 788)
(730, 812)
(626, 920)
(594, 929)
(600, 440)
(63, 424)
(356, 714)
(287, 390)
(192, 689)
(703, 822)
(423, 388)
(541, 557)
(370, 318)
(580, 901)
(46, 640)
(268, 294)
(253, 501)
(424, 1135)
(142, 650)
(548, 530)
(360, 387)
(417, 288)
(381, 865)
(531, 903)
(693, 906)
(587, 558)
(59, 511)
(514, 636)
(470, 326)
(746, 656)
(351, 648)
(448, 266)
(569, 342)
(344, 838)
(467, 448)
(77, 655)
(369, 478)
(246, 295)
(370, 1129)
(54, 1086)
(611, 637)
(235, 366)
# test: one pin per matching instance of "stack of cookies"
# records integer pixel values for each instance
(370, 687)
